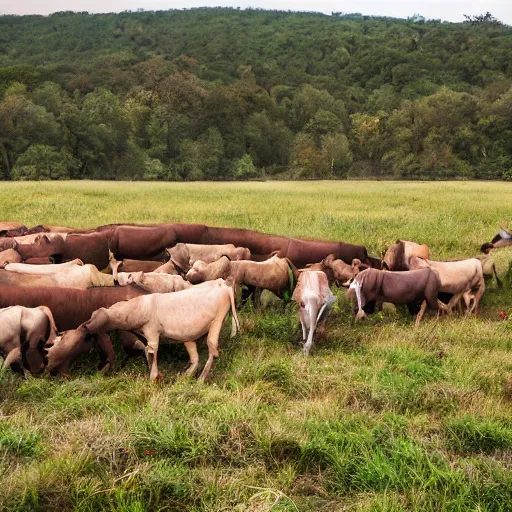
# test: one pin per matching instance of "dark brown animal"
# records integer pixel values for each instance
(502, 239)
(148, 242)
(70, 307)
(413, 288)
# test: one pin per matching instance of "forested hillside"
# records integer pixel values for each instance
(238, 94)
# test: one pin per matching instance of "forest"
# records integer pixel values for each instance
(229, 94)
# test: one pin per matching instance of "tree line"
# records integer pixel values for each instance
(222, 93)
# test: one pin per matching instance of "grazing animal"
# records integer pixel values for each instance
(183, 317)
(70, 307)
(315, 300)
(275, 274)
(462, 279)
(185, 255)
(73, 343)
(413, 287)
(397, 256)
(337, 271)
(24, 333)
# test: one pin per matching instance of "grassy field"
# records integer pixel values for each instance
(382, 417)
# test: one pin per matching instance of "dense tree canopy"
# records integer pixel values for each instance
(241, 94)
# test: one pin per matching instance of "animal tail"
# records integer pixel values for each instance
(235, 324)
(52, 332)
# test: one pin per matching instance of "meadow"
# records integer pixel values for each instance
(382, 417)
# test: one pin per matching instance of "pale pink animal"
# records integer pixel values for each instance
(182, 317)
(24, 334)
(185, 255)
(315, 300)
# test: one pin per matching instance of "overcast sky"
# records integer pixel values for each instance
(450, 10)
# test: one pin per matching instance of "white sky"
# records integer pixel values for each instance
(450, 10)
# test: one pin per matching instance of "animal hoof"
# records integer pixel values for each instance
(159, 378)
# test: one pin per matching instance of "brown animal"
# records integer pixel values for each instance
(70, 307)
(90, 248)
(71, 344)
(75, 276)
(413, 287)
(315, 300)
(25, 332)
(397, 256)
(337, 271)
(463, 279)
(9, 256)
(185, 255)
(148, 242)
(275, 274)
(74, 343)
(183, 317)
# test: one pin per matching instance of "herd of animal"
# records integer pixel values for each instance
(178, 282)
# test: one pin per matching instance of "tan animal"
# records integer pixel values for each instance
(182, 317)
(275, 274)
(185, 255)
(463, 279)
(397, 256)
(26, 268)
(24, 333)
(75, 276)
(315, 300)
(337, 271)
(153, 282)
(9, 256)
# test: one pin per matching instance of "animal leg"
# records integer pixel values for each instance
(151, 355)
(13, 360)
(213, 346)
(477, 297)
(421, 312)
(191, 347)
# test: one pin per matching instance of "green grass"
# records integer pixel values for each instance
(382, 417)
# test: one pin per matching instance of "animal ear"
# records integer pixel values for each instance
(329, 259)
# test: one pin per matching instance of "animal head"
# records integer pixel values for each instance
(66, 348)
(201, 271)
(242, 253)
(342, 272)
(398, 255)
(127, 278)
(98, 321)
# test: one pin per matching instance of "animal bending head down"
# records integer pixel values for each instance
(72, 344)
(202, 271)
(99, 322)
(315, 300)
(397, 256)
